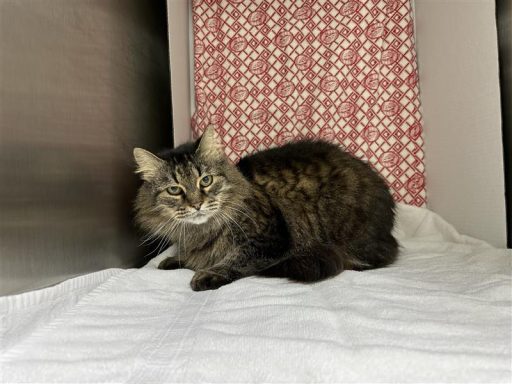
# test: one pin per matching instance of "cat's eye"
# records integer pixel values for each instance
(174, 190)
(206, 180)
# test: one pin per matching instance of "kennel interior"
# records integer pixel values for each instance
(83, 82)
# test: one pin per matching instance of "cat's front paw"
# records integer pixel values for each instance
(204, 280)
(170, 263)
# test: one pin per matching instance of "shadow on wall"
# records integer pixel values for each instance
(81, 84)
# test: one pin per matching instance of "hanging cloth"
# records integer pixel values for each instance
(267, 72)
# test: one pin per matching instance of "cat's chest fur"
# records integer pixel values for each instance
(204, 247)
(259, 226)
(196, 248)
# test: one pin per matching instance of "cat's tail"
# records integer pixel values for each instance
(309, 264)
(374, 254)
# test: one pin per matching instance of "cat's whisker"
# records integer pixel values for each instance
(179, 246)
(156, 234)
(211, 206)
(243, 213)
(164, 236)
(162, 246)
(148, 240)
(233, 240)
(156, 251)
(184, 239)
(226, 215)
(154, 237)
(167, 238)
(240, 210)
(147, 244)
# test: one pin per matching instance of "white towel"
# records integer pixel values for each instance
(442, 313)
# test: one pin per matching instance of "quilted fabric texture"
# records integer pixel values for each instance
(269, 71)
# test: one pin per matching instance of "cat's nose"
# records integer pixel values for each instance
(197, 206)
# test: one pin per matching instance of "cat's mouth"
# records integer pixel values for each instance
(199, 217)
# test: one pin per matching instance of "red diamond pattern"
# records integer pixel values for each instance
(340, 70)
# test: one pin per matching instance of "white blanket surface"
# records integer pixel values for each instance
(441, 313)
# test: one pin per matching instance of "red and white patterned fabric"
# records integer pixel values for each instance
(270, 71)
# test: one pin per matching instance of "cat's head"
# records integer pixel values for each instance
(186, 185)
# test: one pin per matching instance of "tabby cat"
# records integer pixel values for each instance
(305, 211)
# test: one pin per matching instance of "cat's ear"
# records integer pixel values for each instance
(148, 165)
(209, 146)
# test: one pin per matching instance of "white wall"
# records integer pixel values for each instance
(458, 64)
(178, 12)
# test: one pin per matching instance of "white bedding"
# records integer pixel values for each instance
(442, 313)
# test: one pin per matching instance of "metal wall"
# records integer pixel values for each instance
(81, 83)
(504, 20)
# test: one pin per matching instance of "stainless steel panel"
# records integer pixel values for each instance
(81, 83)
(504, 21)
